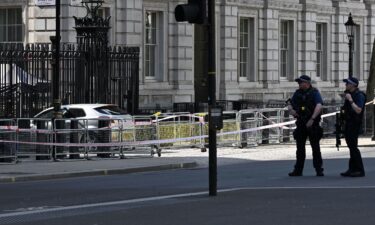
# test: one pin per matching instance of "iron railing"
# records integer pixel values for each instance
(88, 75)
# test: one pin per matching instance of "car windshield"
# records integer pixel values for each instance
(50, 113)
(111, 110)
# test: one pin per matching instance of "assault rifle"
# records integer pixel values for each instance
(339, 127)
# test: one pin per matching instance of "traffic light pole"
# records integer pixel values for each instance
(212, 161)
(203, 12)
(56, 76)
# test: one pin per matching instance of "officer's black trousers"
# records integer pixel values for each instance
(351, 138)
(314, 134)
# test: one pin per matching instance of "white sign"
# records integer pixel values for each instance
(45, 2)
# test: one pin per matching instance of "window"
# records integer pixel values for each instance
(111, 110)
(321, 51)
(247, 49)
(47, 114)
(152, 41)
(11, 25)
(287, 49)
(76, 112)
(284, 49)
(357, 53)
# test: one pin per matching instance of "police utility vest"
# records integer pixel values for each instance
(349, 114)
(304, 104)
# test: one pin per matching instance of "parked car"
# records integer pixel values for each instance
(88, 115)
(88, 111)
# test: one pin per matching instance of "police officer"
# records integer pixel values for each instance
(306, 106)
(353, 114)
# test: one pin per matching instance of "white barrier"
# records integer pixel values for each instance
(40, 137)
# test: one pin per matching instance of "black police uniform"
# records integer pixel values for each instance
(353, 126)
(304, 103)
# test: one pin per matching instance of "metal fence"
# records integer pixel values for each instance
(37, 139)
(88, 75)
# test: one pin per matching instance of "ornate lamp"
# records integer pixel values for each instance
(92, 29)
(350, 29)
(92, 7)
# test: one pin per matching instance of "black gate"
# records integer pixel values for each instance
(90, 71)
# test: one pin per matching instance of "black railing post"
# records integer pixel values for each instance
(212, 99)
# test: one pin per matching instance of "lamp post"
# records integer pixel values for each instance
(56, 62)
(350, 28)
(55, 79)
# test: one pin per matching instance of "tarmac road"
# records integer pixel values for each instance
(253, 189)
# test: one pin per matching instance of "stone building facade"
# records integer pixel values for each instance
(261, 45)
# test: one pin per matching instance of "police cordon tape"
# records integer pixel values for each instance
(155, 142)
(165, 141)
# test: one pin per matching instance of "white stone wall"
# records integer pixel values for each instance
(41, 22)
(176, 72)
(229, 45)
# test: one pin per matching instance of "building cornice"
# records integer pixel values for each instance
(291, 6)
(246, 3)
(321, 9)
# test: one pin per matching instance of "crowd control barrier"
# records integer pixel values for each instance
(51, 139)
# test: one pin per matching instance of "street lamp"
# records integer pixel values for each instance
(350, 28)
(59, 124)
(56, 63)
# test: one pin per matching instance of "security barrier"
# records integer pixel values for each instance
(248, 119)
(7, 150)
(177, 127)
(230, 125)
(41, 139)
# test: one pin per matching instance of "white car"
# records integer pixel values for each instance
(88, 116)
(88, 111)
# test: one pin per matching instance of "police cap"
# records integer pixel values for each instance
(303, 78)
(351, 80)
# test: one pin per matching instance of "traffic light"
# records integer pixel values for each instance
(193, 12)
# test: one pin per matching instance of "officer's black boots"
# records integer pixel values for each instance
(298, 173)
(319, 172)
(295, 173)
(349, 173)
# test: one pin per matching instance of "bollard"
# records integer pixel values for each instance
(74, 138)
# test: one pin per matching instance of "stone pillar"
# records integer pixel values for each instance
(229, 52)
(268, 46)
(307, 41)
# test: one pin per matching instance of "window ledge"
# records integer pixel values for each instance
(151, 80)
(244, 79)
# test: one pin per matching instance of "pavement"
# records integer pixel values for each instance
(29, 170)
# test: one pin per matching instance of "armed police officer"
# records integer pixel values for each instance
(306, 106)
(353, 110)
